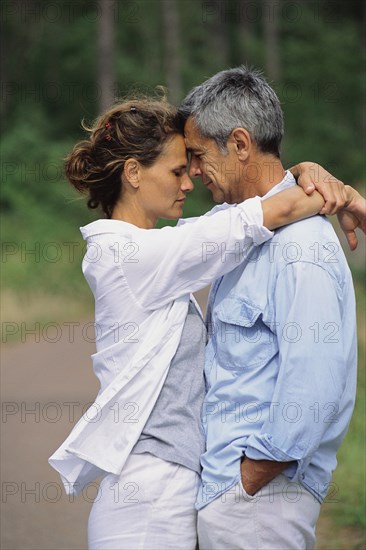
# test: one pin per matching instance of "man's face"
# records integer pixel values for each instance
(220, 173)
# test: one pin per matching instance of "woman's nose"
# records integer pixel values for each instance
(187, 184)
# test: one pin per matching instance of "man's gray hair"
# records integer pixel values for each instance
(234, 98)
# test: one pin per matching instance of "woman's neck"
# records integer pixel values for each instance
(131, 213)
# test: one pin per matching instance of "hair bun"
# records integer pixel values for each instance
(79, 165)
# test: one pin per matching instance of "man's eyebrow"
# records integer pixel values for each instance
(194, 150)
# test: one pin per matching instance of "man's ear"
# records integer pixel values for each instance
(242, 142)
(131, 172)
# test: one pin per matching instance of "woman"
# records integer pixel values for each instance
(143, 433)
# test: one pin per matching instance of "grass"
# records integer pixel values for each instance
(41, 277)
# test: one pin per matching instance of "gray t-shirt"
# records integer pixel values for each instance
(174, 432)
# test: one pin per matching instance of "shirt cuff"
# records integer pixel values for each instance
(252, 214)
(263, 450)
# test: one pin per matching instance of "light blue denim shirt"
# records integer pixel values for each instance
(281, 360)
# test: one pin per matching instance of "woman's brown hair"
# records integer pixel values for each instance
(134, 128)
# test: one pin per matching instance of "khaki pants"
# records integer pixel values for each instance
(282, 515)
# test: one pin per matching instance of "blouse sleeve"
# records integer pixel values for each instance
(170, 262)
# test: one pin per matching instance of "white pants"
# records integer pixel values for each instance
(282, 515)
(149, 506)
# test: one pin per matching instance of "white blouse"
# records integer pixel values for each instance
(141, 280)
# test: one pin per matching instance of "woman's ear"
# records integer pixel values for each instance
(131, 172)
(242, 141)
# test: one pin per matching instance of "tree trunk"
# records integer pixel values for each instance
(244, 33)
(219, 37)
(172, 52)
(106, 11)
(271, 37)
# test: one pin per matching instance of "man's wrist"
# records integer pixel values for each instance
(255, 474)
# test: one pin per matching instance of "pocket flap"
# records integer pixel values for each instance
(237, 311)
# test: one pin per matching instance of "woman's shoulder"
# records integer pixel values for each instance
(108, 226)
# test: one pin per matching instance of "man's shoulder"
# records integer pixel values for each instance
(305, 237)
(316, 227)
(310, 241)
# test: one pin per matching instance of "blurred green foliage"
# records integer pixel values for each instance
(53, 84)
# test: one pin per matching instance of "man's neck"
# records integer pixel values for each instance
(260, 175)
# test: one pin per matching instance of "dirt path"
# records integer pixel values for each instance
(44, 387)
(38, 380)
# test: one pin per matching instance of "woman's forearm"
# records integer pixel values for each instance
(289, 206)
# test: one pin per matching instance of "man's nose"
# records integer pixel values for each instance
(194, 167)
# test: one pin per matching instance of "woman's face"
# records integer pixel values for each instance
(164, 185)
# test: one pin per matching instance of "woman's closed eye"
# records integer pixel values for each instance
(180, 172)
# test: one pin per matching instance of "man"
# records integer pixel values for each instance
(281, 360)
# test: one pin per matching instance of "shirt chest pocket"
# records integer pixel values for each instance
(242, 340)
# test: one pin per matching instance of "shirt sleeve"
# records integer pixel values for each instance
(174, 261)
(312, 372)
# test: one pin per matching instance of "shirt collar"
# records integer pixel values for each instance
(288, 181)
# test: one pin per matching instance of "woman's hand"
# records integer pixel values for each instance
(353, 216)
(311, 176)
(339, 199)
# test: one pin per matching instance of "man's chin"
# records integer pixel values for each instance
(218, 196)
